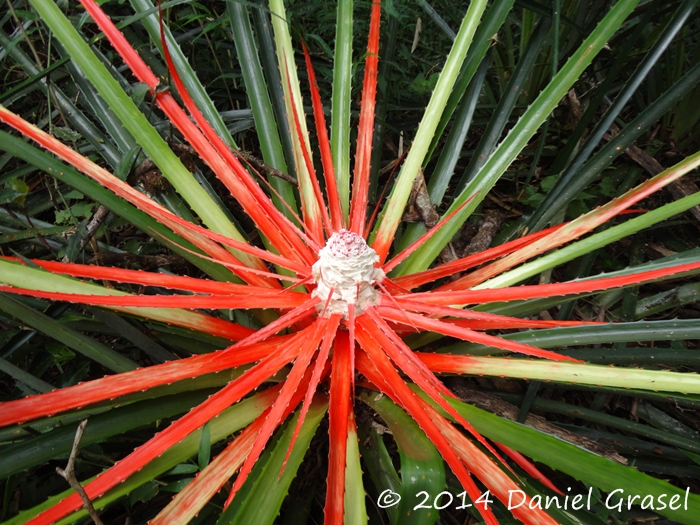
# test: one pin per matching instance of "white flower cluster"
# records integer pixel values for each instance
(346, 266)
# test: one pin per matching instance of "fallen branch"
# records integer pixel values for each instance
(97, 220)
(261, 166)
(69, 474)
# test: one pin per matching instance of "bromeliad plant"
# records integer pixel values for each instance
(336, 301)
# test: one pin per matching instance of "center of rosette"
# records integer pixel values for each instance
(346, 271)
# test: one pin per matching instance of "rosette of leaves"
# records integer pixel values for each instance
(332, 295)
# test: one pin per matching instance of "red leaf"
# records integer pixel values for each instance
(111, 387)
(282, 403)
(324, 144)
(285, 300)
(444, 270)
(514, 293)
(365, 130)
(339, 416)
(276, 227)
(233, 392)
(433, 325)
(375, 365)
(318, 373)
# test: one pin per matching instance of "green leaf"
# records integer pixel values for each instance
(75, 240)
(355, 511)
(257, 92)
(204, 447)
(82, 209)
(66, 134)
(422, 467)
(261, 496)
(380, 466)
(60, 353)
(63, 216)
(677, 329)
(519, 136)
(138, 92)
(342, 94)
(231, 420)
(75, 340)
(26, 378)
(136, 122)
(577, 462)
(73, 194)
(126, 163)
(16, 191)
(393, 209)
(444, 170)
(176, 486)
(144, 493)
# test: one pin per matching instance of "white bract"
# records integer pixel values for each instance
(345, 270)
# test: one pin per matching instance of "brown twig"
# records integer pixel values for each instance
(261, 166)
(487, 229)
(419, 208)
(91, 228)
(69, 474)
